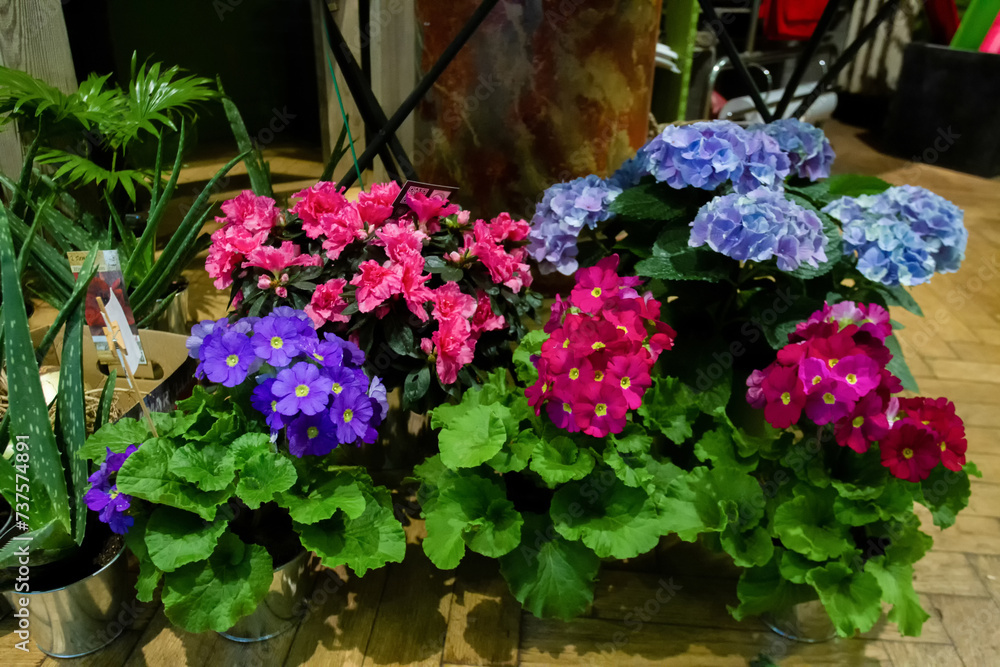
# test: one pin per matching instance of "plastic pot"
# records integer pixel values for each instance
(283, 606)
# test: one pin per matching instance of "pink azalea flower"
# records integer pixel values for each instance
(450, 302)
(400, 240)
(328, 303)
(322, 199)
(454, 346)
(414, 290)
(376, 206)
(375, 284)
(504, 228)
(276, 260)
(429, 210)
(253, 213)
(868, 423)
(220, 265)
(484, 318)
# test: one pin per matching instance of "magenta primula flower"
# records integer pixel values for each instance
(595, 285)
(858, 372)
(631, 374)
(785, 396)
(828, 401)
(811, 372)
(301, 390)
(868, 423)
(600, 409)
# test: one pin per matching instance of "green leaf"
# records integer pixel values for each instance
(763, 589)
(717, 446)
(669, 405)
(897, 295)
(489, 523)
(695, 264)
(474, 437)
(365, 543)
(149, 575)
(264, 476)
(213, 594)
(416, 385)
(749, 549)
(794, 566)
(809, 525)
(175, 538)
(516, 454)
(560, 460)
(531, 345)
(550, 576)
(632, 469)
(896, 582)
(634, 439)
(853, 185)
(116, 436)
(853, 599)
(615, 522)
(319, 493)
(897, 365)
(71, 419)
(444, 543)
(210, 467)
(945, 493)
(709, 500)
(651, 201)
(146, 474)
(249, 446)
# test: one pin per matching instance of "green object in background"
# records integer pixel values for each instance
(670, 94)
(975, 24)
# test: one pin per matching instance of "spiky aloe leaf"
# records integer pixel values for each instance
(71, 430)
(260, 180)
(107, 398)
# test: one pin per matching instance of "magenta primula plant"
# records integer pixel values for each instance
(423, 288)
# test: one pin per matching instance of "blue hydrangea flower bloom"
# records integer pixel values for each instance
(630, 173)
(705, 155)
(903, 235)
(565, 209)
(226, 357)
(808, 149)
(758, 226)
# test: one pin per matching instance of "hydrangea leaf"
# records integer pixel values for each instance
(146, 474)
(550, 576)
(669, 406)
(896, 582)
(945, 493)
(763, 589)
(213, 594)
(809, 525)
(652, 201)
(531, 345)
(365, 543)
(264, 476)
(854, 185)
(748, 549)
(174, 538)
(560, 460)
(694, 264)
(473, 437)
(707, 500)
(616, 522)
(116, 436)
(319, 493)
(211, 466)
(717, 446)
(853, 599)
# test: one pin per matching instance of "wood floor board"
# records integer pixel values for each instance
(974, 626)
(484, 625)
(923, 655)
(948, 573)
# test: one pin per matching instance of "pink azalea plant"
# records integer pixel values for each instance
(595, 366)
(419, 285)
(833, 371)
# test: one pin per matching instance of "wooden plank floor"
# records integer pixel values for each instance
(670, 608)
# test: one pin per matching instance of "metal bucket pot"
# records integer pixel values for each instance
(283, 606)
(81, 618)
(806, 622)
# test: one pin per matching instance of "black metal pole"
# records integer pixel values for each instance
(806, 56)
(365, 27)
(884, 12)
(389, 128)
(715, 24)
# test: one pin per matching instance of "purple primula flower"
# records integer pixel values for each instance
(758, 226)
(807, 147)
(312, 435)
(226, 358)
(377, 392)
(200, 331)
(351, 413)
(301, 389)
(277, 340)
(705, 155)
(565, 209)
(264, 401)
(245, 325)
(903, 235)
(104, 498)
(345, 379)
(329, 353)
(353, 355)
(288, 311)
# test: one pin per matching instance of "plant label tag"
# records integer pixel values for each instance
(399, 206)
(108, 285)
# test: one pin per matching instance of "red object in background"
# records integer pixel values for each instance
(791, 20)
(942, 15)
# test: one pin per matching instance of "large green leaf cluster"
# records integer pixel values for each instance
(208, 478)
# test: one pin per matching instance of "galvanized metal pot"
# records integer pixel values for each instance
(806, 622)
(82, 617)
(282, 608)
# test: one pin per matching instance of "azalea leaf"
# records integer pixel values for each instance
(264, 476)
(214, 594)
(550, 576)
(853, 599)
(174, 537)
(560, 460)
(619, 522)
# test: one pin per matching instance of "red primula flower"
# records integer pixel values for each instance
(939, 415)
(910, 450)
(867, 424)
(785, 396)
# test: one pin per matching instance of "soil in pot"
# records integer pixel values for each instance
(100, 547)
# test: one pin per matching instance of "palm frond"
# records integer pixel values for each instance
(76, 169)
(23, 95)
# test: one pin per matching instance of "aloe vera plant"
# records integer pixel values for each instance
(44, 484)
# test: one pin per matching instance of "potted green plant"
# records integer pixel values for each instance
(224, 502)
(63, 564)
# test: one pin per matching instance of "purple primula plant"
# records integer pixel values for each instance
(103, 496)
